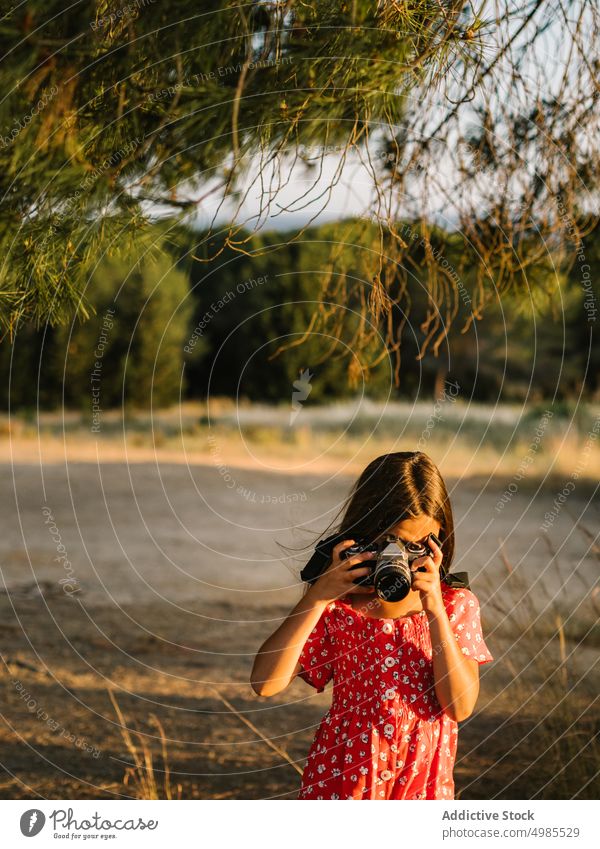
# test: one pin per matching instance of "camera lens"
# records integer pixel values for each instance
(392, 578)
(392, 582)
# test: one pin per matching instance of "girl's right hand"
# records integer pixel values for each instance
(338, 579)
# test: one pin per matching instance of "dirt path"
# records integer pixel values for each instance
(174, 579)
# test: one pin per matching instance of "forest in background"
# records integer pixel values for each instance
(172, 325)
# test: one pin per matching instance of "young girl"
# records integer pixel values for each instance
(405, 672)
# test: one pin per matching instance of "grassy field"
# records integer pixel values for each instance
(544, 440)
(134, 684)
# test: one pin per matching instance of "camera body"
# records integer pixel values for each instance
(390, 573)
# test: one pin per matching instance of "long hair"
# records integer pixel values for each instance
(398, 486)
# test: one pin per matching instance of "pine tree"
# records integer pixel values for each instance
(113, 111)
(112, 106)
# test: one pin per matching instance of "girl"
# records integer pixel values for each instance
(404, 673)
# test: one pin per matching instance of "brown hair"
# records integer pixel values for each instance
(398, 486)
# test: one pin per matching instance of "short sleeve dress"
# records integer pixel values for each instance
(385, 735)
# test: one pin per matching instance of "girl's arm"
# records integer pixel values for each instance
(276, 663)
(456, 676)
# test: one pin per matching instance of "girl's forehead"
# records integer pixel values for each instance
(416, 529)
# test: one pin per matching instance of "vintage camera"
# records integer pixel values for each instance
(390, 574)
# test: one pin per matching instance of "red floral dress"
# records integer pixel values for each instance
(385, 735)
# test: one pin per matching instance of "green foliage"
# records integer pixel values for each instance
(515, 352)
(109, 105)
(250, 324)
(131, 351)
(253, 315)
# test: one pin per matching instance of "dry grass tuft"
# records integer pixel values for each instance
(142, 777)
(547, 745)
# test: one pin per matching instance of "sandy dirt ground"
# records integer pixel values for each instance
(159, 580)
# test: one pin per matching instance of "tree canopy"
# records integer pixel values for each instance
(239, 325)
(482, 119)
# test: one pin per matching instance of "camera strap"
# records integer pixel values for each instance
(458, 580)
(320, 558)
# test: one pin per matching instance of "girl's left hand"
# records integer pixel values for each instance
(428, 582)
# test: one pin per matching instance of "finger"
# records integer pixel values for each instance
(424, 579)
(421, 583)
(425, 589)
(358, 558)
(425, 563)
(360, 588)
(358, 573)
(346, 543)
(438, 554)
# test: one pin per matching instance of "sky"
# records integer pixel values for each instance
(354, 194)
